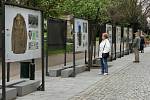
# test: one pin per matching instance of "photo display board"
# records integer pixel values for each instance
(23, 29)
(118, 38)
(56, 33)
(130, 35)
(125, 36)
(109, 31)
(81, 34)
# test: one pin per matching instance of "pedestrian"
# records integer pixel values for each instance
(136, 47)
(104, 49)
(142, 44)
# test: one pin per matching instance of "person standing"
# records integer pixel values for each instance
(142, 44)
(136, 47)
(104, 50)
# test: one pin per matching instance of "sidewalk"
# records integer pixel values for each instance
(127, 81)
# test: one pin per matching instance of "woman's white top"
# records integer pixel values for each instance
(104, 47)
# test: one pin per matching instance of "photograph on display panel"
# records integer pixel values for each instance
(118, 38)
(33, 21)
(81, 34)
(19, 35)
(109, 31)
(23, 34)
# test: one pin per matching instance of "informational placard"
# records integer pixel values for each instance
(130, 35)
(81, 34)
(109, 31)
(23, 28)
(125, 37)
(118, 38)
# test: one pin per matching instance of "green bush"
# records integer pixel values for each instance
(148, 37)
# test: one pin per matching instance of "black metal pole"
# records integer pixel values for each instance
(32, 70)
(43, 72)
(65, 44)
(128, 43)
(123, 41)
(47, 48)
(115, 44)
(85, 57)
(94, 48)
(8, 72)
(74, 70)
(120, 47)
(3, 53)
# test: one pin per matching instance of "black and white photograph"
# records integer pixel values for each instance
(33, 21)
(85, 27)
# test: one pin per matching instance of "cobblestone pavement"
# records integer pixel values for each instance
(130, 83)
(127, 81)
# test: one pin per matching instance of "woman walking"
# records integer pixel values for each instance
(104, 50)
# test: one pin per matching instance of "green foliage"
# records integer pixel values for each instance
(122, 12)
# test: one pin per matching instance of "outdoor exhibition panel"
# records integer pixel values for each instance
(130, 35)
(57, 30)
(125, 36)
(22, 39)
(22, 33)
(118, 39)
(109, 30)
(130, 39)
(81, 34)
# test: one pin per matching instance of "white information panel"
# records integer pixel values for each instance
(22, 33)
(81, 34)
(118, 38)
(130, 35)
(109, 31)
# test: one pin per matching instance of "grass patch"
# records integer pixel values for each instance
(60, 51)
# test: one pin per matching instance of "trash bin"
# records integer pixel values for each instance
(24, 70)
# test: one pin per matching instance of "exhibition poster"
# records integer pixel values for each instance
(130, 35)
(22, 33)
(81, 34)
(118, 38)
(125, 36)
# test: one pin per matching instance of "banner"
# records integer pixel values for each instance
(118, 38)
(22, 33)
(81, 34)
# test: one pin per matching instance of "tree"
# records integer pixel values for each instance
(129, 13)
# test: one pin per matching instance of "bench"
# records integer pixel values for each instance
(13, 82)
(27, 87)
(69, 71)
(55, 72)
